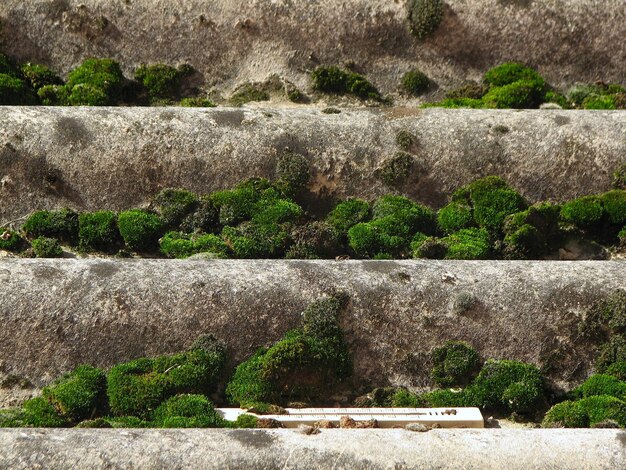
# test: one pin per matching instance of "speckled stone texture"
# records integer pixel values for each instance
(118, 158)
(57, 314)
(371, 449)
(231, 41)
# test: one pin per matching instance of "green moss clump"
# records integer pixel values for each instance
(396, 169)
(131, 422)
(96, 82)
(532, 233)
(522, 94)
(424, 16)
(160, 80)
(173, 205)
(602, 408)
(138, 387)
(10, 240)
(47, 248)
(455, 363)
(331, 79)
(307, 362)
(612, 351)
(492, 200)
(97, 231)
(553, 96)
(54, 95)
(255, 240)
(315, 240)
(196, 103)
(98, 423)
(469, 243)
(140, 229)
(614, 205)
(510, 72)
(15, 91)
(61, 224)
(79, 395)
(455, 103)
(599, 102)
(240, 203)
(415, 82)
(507, 385)
(455, 216)
(187, 411)
(292, 171)
(204, 218)
(248, 92)
(567, 414)
(246, 421)
(11, 418)
(348, 213)
(602, 384)
(404, 140)
(584, 212)
(617, 370)
(39, 413)
(444, 398)
(39, 76)
(417, 217)
(428, 247)
(471, 90)
(180, 245)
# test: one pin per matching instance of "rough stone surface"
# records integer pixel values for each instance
(369, 449)
(116, 158)
(57, 314)
(233, 41)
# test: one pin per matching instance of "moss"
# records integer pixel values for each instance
(619, 177)
(254, 240)
(53, 95)
(292, 170)
(614, 205)
(187, 411)
(315, 240)
(454, 217)
(331, 79)
(11, 418)
(306, 362)
(404, 140)
(246, 421)
(602, 384)
(348, 213)
(173, 205)
(471, 90)
(47, 248)
(424, 16)
(240, 203)
(492, 200)
(599, 102)
(456, 103)
(276, 211)
(507, 385)
(196, 103)
(10, 240)
(455, 363)
(79, 395)
(532, 233)
(331, 111)
(552, 96)
(510, 72)
(160, 80)
(95, 82)
(61, 224)
(396, 169)
(140, 229)
(444, 398)
(15, 91)
(417, 217)
(179, 245)
(617, 370)
(601, 408)
(39, 413)
(566, 414)
(518, 95)
(138, 387)
(402, 398)
(469, 243)
(127, 422)
(415, 82)
(204, 218)
(39, 76)
(614, 350)
(584, 212)
(248, 92)
(97, 231)
(7, 66)
(98, 423)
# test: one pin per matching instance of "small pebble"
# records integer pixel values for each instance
(308, 430)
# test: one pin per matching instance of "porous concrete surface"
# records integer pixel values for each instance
(231, 41)
(57, 314)
(117, 158)
(372, 449)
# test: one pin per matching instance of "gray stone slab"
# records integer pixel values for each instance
(57, 314)
(117, 158)
(553, 449)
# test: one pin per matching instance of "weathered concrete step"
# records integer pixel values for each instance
(513, 449)
(57, 314)
(231, 41)
(120, 157)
